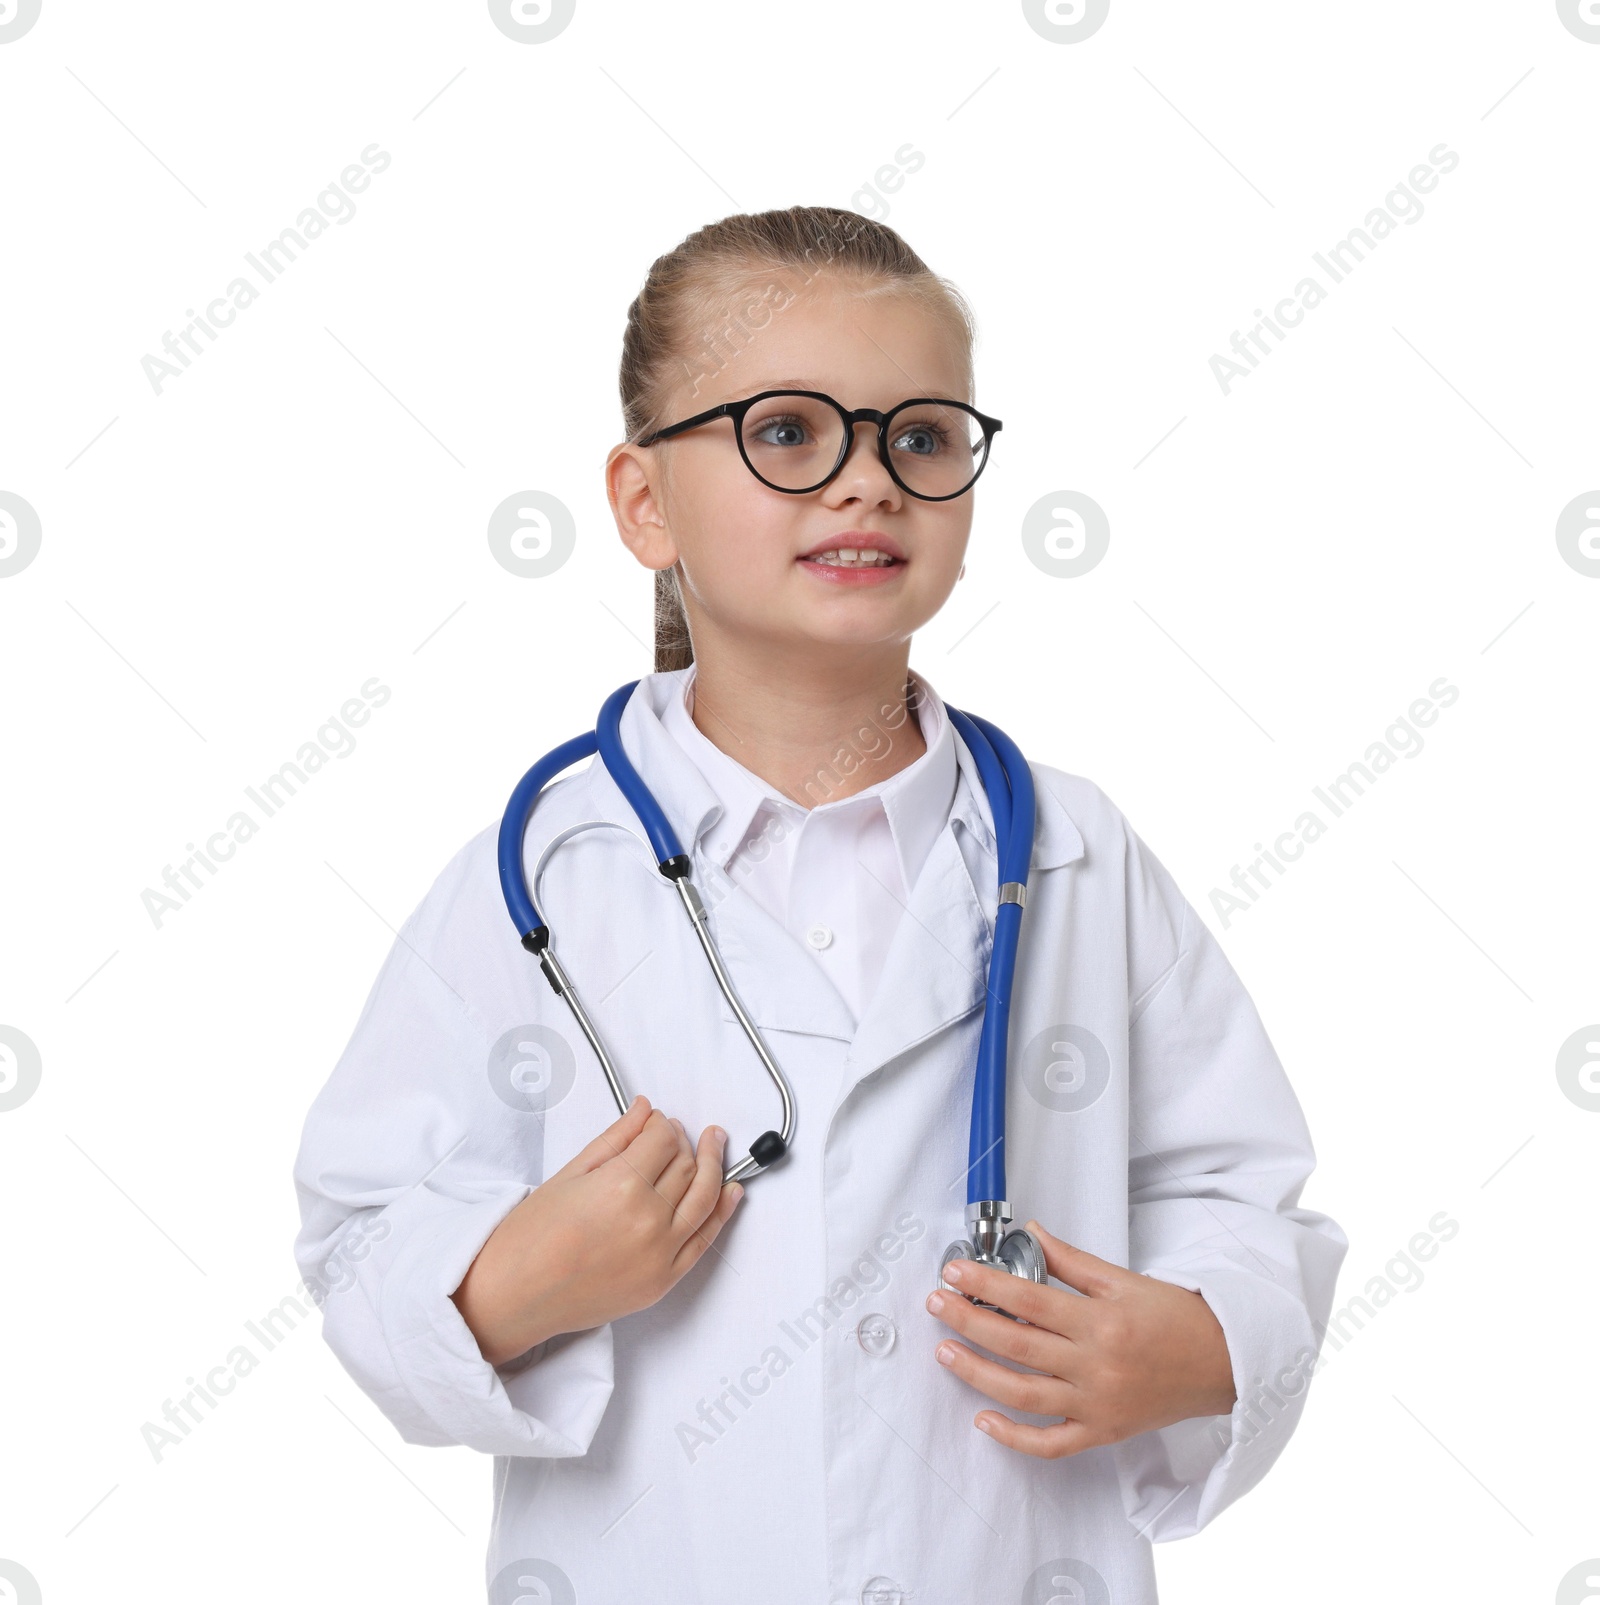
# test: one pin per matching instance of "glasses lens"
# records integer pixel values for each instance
(936, 450)
(792, 441)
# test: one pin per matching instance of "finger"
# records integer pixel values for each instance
(680, 1168)
(610, 1142)
(1028, 1343)
(1045, 1443)
(674, 1181)
(700, 1239)
(1077, 1267)
(706, 1191)
(1038, 1393)
(653, 1150)
(1036, 1302)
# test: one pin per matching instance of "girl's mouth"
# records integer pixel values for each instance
(850, 566)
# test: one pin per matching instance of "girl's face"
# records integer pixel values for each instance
(742, 546)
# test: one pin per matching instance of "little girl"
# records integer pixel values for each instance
(695, 1397)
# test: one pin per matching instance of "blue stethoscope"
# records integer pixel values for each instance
(1009, 786)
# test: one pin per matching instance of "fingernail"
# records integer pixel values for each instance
(935, 1302)
(738, 1192)
(946, 1353)
(954, 1273)
(983, 1425)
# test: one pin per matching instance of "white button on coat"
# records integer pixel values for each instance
(876, 1333)
(1175, 1146)
(819, 936)
(882, 1591)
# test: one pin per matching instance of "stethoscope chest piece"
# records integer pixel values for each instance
(1017, 1251)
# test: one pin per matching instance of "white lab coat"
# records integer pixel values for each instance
(776, 1427)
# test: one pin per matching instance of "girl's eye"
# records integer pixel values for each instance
(784, 430)
(922, 440)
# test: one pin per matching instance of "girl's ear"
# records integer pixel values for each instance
(640, 520)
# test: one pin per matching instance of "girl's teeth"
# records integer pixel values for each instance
(852, 558)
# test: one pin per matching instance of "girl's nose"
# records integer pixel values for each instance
(862, 458)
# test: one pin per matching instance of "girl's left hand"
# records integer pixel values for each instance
(1136, 1354)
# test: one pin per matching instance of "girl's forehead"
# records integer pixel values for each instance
(855, 318)
(864, 351)
(866, 343)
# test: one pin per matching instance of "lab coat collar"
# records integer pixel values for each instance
(934, 972)
(692, 805)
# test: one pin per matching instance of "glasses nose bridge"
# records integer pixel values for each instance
(863, 415)
(860, 415)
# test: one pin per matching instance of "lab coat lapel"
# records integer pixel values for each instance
(937, 967)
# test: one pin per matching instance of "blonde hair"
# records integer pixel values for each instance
(698, 308)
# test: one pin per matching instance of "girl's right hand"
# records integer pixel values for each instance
(610, 1233)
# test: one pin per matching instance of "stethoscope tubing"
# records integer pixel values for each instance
(1008, 784)
(514, 826)
(606, 738)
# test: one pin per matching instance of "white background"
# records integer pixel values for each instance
(1291, 565)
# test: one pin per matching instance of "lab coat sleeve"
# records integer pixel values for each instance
(407, 1163)
(1218, 1153)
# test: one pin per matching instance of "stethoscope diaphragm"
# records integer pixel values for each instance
(1017, 1251)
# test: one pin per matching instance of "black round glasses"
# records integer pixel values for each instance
(797, 440)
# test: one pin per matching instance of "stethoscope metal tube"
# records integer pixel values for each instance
(697, 917)
(1008, 784)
